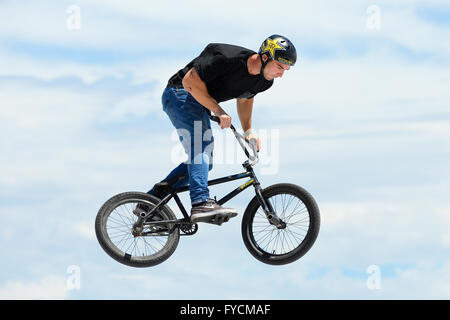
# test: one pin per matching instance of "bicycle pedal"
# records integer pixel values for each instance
(218, 219)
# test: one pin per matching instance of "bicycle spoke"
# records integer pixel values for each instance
(294, 213)
(119, 228)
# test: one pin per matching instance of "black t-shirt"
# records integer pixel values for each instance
(223, 68)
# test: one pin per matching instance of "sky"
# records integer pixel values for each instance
(361, 121)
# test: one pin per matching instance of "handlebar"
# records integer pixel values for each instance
(240, 138)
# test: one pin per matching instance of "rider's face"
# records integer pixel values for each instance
(275, 69)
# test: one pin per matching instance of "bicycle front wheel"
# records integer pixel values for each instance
(277, 246)
(151, 244)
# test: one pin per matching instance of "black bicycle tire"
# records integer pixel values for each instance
(303, 247)
(119, 255)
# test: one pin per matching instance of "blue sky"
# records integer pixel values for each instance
(362, 121)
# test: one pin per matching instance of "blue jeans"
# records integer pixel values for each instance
(193, 126)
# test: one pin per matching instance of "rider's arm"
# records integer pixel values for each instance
(197, 88)
(244, 109)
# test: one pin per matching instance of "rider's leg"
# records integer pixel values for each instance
(192, 122)
(204, 209)
(200, 155)
(178, 177)
(193, 125)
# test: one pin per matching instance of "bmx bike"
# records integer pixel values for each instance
(279, 225)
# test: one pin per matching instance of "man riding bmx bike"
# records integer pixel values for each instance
(220, 73)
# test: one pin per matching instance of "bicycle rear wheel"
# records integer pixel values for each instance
(117, 235)
(297, 209)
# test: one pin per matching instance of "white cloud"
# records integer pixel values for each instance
(47, 108)
(387, 233)
(413, 32)
(422, 281)
(364, 88)
(54, 113)
(138, 105)
(137, 25)
(85, 230)
(419, 281)
(49, 288)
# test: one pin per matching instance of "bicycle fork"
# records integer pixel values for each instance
(267, 207)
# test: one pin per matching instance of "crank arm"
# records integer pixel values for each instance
(162, 223)
(175, 223)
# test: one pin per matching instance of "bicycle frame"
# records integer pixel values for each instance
(249, 173)
(174, 194)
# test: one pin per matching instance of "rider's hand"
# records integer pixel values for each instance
(225, 120)
(254, 136)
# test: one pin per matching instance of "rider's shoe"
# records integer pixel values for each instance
(210, 211)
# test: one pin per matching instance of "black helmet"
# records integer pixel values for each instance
(279, 48)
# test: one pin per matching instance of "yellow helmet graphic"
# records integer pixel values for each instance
(279, 48)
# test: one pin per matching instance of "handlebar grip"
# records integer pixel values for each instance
(215, 119)
(253, 144)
